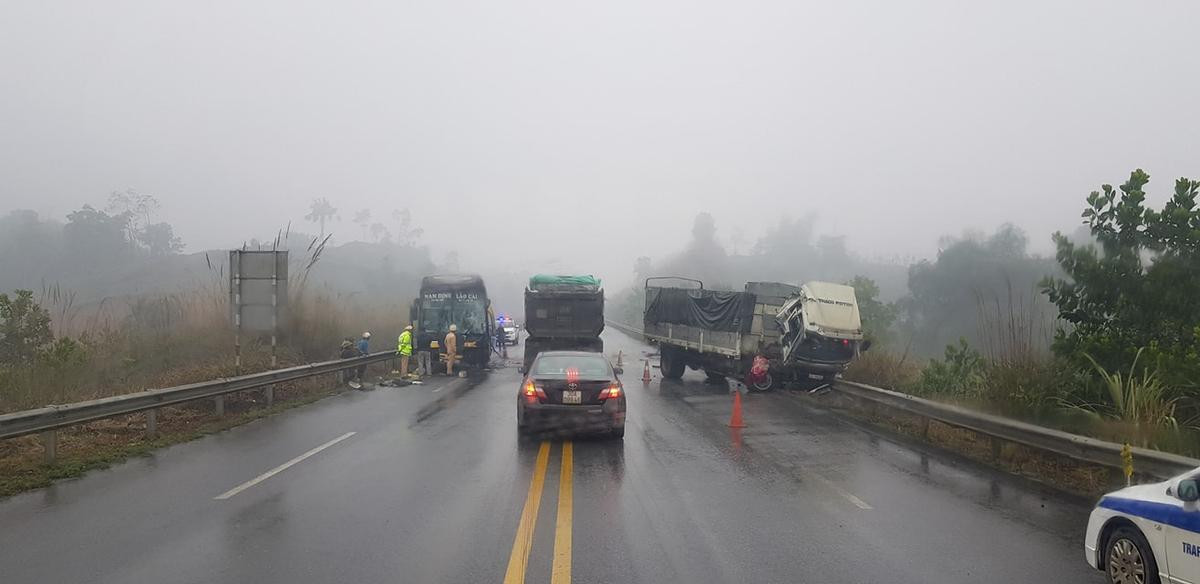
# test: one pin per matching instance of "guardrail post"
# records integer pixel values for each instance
(219, 404)
(269, 395)
(50, 445)
(151, 424)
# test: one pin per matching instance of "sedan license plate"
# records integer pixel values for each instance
(572, 397)
(815, 376)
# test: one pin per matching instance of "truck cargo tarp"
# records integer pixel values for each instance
(557, 282)
(706, 309)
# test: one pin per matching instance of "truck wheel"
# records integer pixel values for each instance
(766, 384)
(671, 365)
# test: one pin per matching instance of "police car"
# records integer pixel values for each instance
(1148, 534)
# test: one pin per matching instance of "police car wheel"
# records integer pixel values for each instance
(1128, 559)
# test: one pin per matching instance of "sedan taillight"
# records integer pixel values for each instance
(613, 391)
(532, 392)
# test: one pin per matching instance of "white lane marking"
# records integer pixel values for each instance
(266, 475)
(843, 492)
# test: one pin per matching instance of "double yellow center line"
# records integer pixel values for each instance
(518, 559)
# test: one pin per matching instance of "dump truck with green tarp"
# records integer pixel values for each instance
(563, 312)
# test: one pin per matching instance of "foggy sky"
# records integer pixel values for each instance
(594, 131)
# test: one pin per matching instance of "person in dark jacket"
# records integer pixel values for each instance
(347, 352)
(364, 348)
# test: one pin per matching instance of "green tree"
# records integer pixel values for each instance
(379, 231)
(160, 239)
(95, 238)
(961, 372)
(320, 211)
(139, 206)
(406, 233)
(24, 328)
(1140, 288)
(703, 258)
(946, 296)
(877, 316)
(363, 219)
(29, 248)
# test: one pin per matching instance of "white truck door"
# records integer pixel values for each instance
(791, 319)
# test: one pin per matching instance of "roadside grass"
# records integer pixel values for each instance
(103, 443)
(1017, 377)
(884, 369)
(1035, 388)
(182, 339)
(126, 346)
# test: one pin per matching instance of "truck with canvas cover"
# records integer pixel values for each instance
(458, 299)
(563, 313)
(798, 334)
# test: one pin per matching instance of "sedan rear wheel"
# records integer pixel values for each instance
(1130, 560)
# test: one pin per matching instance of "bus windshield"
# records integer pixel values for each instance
(438, 312)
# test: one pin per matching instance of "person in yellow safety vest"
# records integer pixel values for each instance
(404, 348)
(451, 343)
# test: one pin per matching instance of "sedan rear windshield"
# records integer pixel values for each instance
(558, 366)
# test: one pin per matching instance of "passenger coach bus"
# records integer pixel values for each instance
(458, 299)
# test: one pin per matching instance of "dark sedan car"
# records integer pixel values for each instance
(571, 390)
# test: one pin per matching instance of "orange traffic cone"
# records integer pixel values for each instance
(646, 373)
(735, 420)
(620, 363)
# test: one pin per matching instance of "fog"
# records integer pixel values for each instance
(580, 136)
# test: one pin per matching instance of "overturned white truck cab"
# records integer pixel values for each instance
(805, 334)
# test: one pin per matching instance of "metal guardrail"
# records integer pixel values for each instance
(1152, 463)
(50, 418)
(636, 332)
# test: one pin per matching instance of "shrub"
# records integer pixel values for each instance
(1141, 399)
(1139, 288)
(1033, 387)
(24, 328)
(884, 369)
(960, 374)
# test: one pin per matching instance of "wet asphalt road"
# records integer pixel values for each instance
(798, 496)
